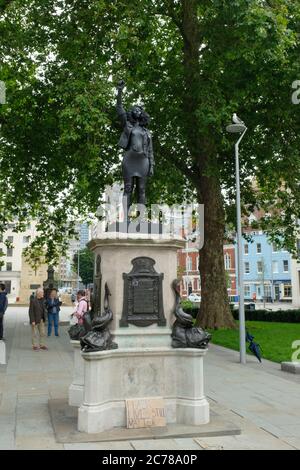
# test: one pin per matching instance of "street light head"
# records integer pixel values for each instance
(236, 128)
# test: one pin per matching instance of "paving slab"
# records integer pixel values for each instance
(64, 421)
(122, 445)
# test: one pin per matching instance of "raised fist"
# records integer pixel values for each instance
(121, 85)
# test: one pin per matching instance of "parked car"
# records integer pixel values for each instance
(194, 297)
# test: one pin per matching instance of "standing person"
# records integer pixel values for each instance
(3, 307)
(82, 307)
(53, 307)
(37, 315)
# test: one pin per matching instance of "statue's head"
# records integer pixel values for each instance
(137, 113)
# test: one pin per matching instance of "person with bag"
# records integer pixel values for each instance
(3, 307)
(77, 328)
(53, 307)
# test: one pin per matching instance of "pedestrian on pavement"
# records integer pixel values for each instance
(53, 307)
(3, 307)
(82, 307)
(37, 316)
(31, 297)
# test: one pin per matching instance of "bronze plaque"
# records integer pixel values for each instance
(143, 301)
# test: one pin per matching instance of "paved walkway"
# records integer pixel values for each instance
(263, 401)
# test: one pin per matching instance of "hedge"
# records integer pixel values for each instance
(283, 316)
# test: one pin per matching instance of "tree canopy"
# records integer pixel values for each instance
(192, 63)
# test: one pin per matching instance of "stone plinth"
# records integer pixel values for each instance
(117, 250)
(111, 377)
(76, 389)
(2, 352)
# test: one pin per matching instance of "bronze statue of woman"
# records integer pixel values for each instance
(138, 161)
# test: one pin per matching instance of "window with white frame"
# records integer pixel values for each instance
(258, 291)
(9, 252)
(258, 248)
(189, 263)
(8, 266)
(247, 290)
(227, 261)
(247, 267)
(275, 267)
(267, 290)
(246, 249)
(259, 267)
(287, 290)
(285, 266)
(275, 248)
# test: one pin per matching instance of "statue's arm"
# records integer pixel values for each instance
(120, 110)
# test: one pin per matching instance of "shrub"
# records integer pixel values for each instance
(283, 316)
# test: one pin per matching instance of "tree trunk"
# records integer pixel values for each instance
(214, 311)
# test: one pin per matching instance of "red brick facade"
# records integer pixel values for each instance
(188, 260)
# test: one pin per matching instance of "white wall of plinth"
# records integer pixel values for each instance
(76, 389)
(111, 377)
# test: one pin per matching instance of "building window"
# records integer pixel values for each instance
(26, 239)
(246, 249)
(267, 291)
(247, 267)
(258, 248)
(197, 263)
(287, 290)
(247, 291)
(259, 267)
(258, 291)
(275, 248)
(9, 252)
(285, 266)
(227, 261)
(275, 266)
(189, 263)
(8, 266)
(10, 239)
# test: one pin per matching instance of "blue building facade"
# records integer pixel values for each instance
(267, 270)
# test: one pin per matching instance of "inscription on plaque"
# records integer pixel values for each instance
(143, 300)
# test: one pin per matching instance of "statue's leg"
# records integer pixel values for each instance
(141, 189)
(128, 188)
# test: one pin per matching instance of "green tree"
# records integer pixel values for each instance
(86, 265)
(194, 63)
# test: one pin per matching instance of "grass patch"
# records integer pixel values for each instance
(275, 339)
